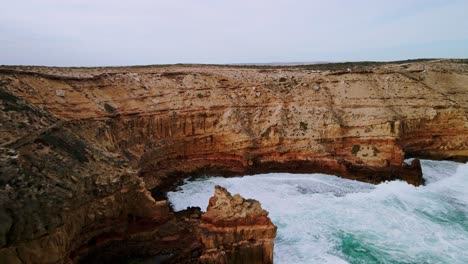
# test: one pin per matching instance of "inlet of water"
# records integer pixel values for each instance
(326, 219)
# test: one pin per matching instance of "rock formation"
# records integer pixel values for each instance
(235, 230)
(87, 154)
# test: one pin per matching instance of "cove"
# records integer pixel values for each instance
(326, 219)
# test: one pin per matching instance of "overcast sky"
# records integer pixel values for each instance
(112, 32)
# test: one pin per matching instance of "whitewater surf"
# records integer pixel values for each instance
(326, 219)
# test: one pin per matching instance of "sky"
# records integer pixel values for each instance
(141, 32)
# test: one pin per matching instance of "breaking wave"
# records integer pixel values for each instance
(326, 219)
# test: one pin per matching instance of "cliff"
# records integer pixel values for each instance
(87, 154)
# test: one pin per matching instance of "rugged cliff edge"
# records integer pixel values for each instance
(87, 154)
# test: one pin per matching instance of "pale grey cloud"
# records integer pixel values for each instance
(104, 32)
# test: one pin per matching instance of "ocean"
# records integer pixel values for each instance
(326, 219)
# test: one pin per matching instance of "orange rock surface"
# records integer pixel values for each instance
(235, 230)
(87, 154)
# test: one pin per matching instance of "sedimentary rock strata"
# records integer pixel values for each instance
(87, 154)
(235, 230)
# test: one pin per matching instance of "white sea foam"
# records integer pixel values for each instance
(326, 219)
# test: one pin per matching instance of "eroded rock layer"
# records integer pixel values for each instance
(235, 230)
(81, 148)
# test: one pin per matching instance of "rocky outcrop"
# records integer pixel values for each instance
(235, 230)
(63, 199)
(87, 154)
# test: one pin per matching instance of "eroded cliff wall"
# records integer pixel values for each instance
(82, 147)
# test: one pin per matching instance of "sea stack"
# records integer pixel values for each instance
(236, 230)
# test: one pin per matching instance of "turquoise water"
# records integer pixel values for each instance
(326, 219)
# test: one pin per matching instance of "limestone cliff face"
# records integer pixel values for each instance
(82, 148)
(178, 120)
(235, 230)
